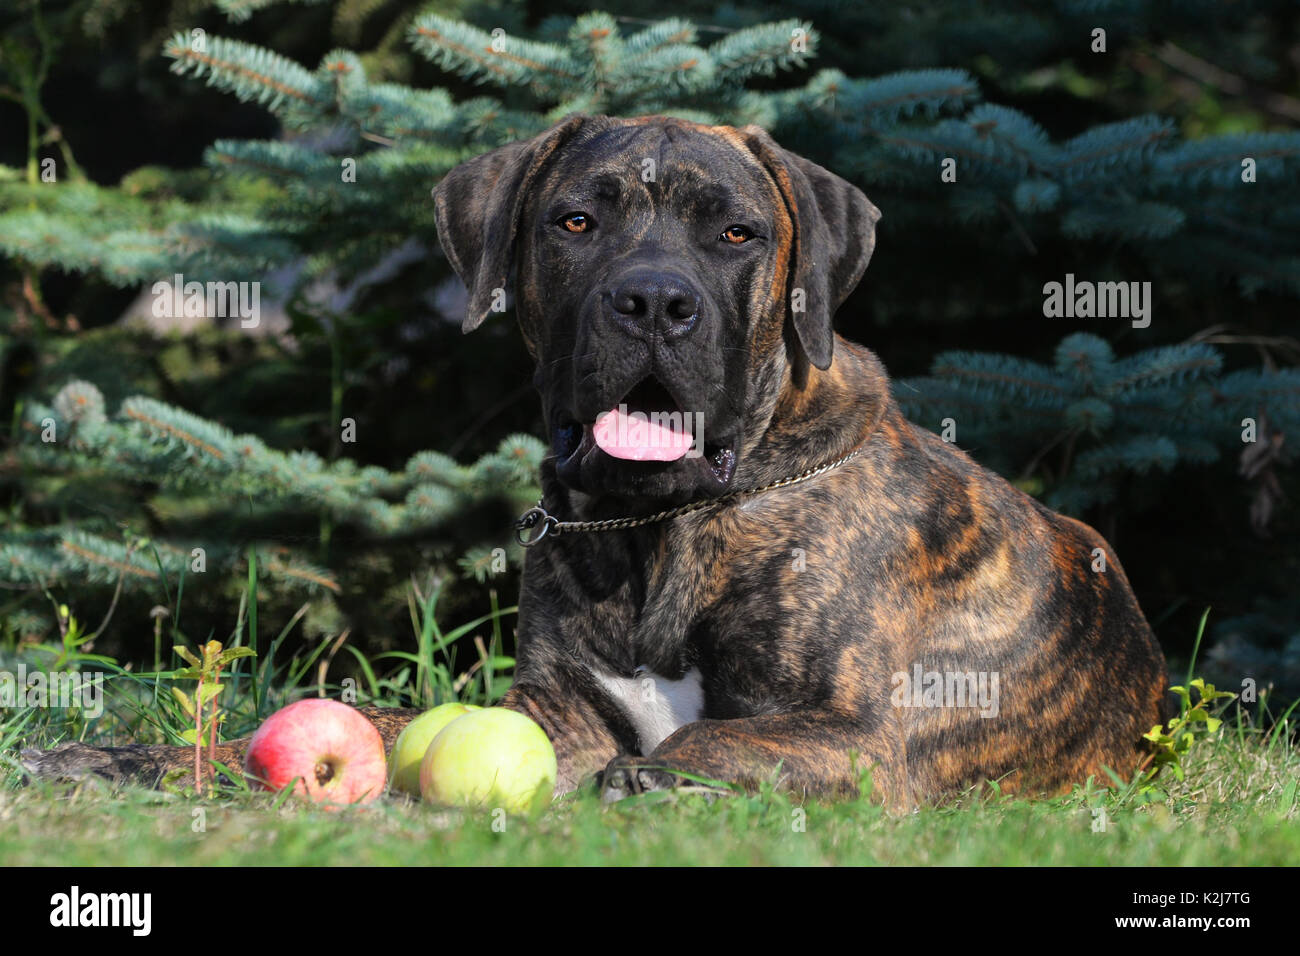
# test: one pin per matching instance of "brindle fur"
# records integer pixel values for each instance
(912, 552)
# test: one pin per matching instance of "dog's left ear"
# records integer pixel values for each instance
(478, 205)
(834, 235)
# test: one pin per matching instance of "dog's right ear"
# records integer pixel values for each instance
(478, 205)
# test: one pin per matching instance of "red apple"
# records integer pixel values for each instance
(334, 753)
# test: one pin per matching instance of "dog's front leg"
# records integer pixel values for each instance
(813, 752)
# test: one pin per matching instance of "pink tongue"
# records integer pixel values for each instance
(638, 437)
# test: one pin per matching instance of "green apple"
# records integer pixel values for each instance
(413, 741)
(492, 758)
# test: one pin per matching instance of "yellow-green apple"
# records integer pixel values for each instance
(492, 757)
(334, 753)
(408, 752)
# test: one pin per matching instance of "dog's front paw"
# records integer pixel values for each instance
(626, 775)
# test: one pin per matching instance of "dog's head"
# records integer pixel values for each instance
(667, 274)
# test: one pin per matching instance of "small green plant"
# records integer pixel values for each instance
(207, 671)
(74, 644)
(1172, 742)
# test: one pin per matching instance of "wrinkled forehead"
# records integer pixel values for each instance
(700, 170)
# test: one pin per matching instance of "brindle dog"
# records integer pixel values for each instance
(905, 610)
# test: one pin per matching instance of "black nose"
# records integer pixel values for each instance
(650, 303)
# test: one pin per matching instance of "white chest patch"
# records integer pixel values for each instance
(655, 705)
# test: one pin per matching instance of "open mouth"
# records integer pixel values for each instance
(648, 427)
(650, 397)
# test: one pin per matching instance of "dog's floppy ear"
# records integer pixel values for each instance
(478, 205)
(834, 234)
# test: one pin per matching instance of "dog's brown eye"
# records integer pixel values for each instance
(736, 235)
(575, 222)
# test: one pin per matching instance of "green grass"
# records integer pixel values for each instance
(1236, 805)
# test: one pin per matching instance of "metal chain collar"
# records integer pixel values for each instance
(547, 523)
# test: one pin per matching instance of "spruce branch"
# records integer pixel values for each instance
(673, 31)
(469, 52)
(252, 74)
(763, 50)
(895, 96)
(1113, 150)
